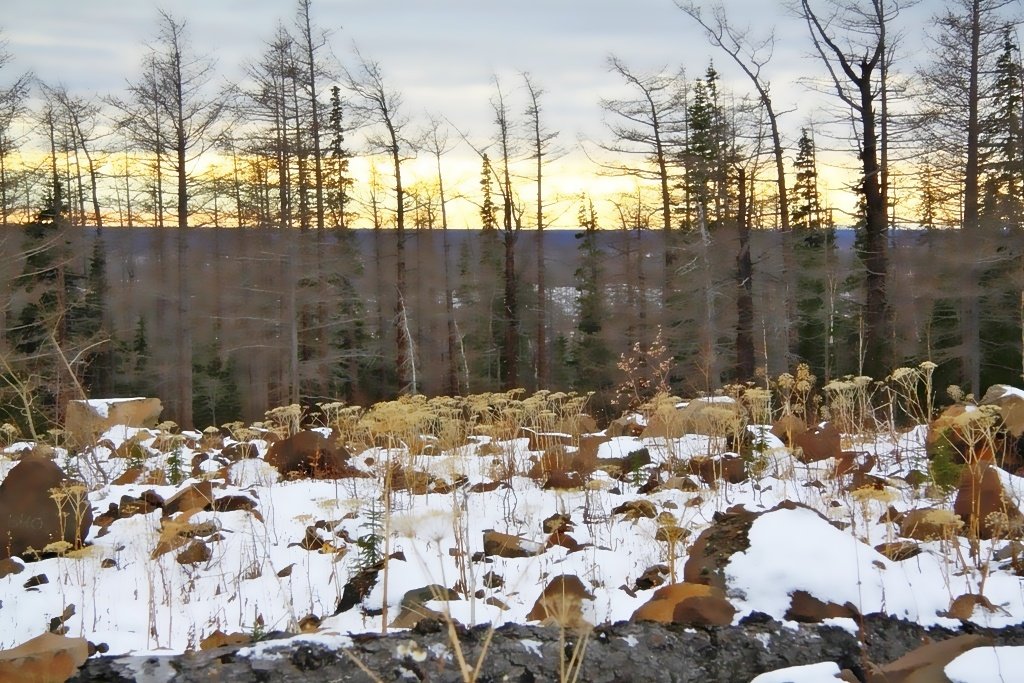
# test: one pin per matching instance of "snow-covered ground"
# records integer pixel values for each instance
(262, 577)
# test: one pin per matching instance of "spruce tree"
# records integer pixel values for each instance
(806, 205)
(1002, 142)
(592, 359)
(338, 178)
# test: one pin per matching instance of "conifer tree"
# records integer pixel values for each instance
(592, 358)
(338, 180)
(1002, 142)
(806, 205)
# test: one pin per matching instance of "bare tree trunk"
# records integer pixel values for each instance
(745, 290)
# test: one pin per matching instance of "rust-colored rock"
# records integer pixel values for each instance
(193, 497)
(625, 426)
(690, 604)
(85, 421)
(220, 639)
(806, 608)
(507, 545)
(710, 469)
(9, 566)
(39, 506)
(561, 603)
(963, 607)
(195, 553)
(788, 427)
(984, 505)
(311, 454)
(635, 509)
(926, 663)
(820, 442)
(47, 658)
(928, 524)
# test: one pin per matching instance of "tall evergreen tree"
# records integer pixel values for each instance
(338, 177)
(592, 359)
(1002, 142)
(806, 204)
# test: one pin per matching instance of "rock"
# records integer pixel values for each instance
(241, 450)
(542, 441)
(635, 509)
(9, 566)
(311, 454)
(85, 421)
(195, 553)
(584, 460)
(557, 523)
(928, 524)
(711, 552)
(628, 425)
(964, 606)
(506, 545)
(1011, 406)
(560, 603)
(220, 639)
(625, 651)
(652, 577)
(787, 428)
(710, 469)
(413, 606)
(47, 658)
(984, 505)
(690, 604)
(192, 497)
(926, 663)
(40, 506)
(806, 608)
(897, 551)
(820, 442)
(719, 416)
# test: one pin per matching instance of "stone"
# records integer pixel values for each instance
(220, 639)
(561, 603)
(806, 608)
(897, 551)
(585, 460)
(1011, 406)
(85, 421)
(628, 425)
(964, 606)
(241, 450)
(507, 545)
(542, 441)
(984, 505)
(40, 506)
(196, 553)
(689, 604)
(47, 658)
(820, 442)
(713, 548)
(9, 566)
(635, 509)
(787, 428)
(926, 663)
(311, 454)
(193, 497)
(718, 416)
(710, 469)
(928, 524)
(413, 606)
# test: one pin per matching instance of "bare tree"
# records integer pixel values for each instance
(646, 128)
(751, 56)
(853, 62)
(12, 106)
(313, 69)
(381, 105)
(541, 141)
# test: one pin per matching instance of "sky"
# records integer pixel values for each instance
(442, 55)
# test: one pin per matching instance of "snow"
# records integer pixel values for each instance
(987, 665)
(810, 673)
(260, 577)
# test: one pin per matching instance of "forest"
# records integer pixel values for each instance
(231, 249)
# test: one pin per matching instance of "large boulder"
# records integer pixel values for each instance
(691, 604)
(310, 454)
(984, 505)
(47, 658)
(85, 421)
(40, 506)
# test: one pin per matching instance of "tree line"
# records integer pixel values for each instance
(940, 147)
